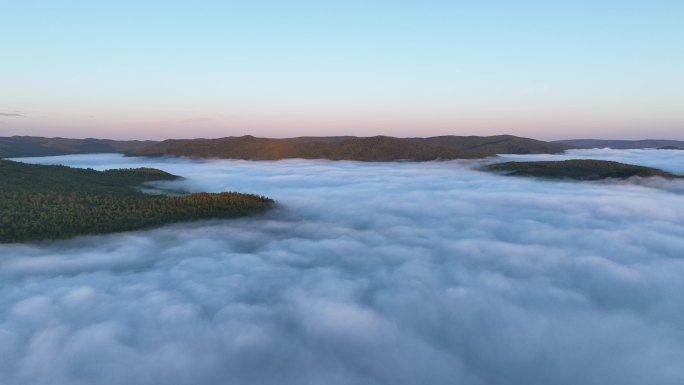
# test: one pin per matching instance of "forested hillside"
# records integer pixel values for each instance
(496, 144)
(376, 148)
(622, 144)
(21, 146)
(578, 169)
(49, 202)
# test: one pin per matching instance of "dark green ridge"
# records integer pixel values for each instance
(577, 169)
(40, 202)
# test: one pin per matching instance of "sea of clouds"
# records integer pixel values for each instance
(366, 273)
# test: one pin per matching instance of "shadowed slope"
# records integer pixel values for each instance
(498, 144)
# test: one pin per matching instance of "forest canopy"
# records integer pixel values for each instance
(40, 202)
(578, 169)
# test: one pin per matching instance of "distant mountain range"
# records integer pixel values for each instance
(21, 146)
(376, 148)
(623, 144)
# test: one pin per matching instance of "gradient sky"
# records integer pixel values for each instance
(158, 69)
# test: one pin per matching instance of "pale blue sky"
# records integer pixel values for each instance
(155, 69)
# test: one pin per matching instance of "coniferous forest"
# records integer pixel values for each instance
(40, 202)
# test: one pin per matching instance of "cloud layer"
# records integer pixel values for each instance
(374, 273)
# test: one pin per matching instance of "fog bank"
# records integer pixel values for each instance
(367, 273)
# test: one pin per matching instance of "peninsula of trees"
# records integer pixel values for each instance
(578, 169)
(40, 202)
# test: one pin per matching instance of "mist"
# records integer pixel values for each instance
(365, 273)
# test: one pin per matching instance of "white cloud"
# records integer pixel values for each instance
(370, 273)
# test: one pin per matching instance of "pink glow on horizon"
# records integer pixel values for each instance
(283, 126)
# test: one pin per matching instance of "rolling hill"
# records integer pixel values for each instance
(621, 144)
(498, 144)
(376, 148)
(577, 169)
(23, 146)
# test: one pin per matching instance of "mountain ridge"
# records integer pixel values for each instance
(374, 148)
(620, 144)
(248, 147)
(24, 146)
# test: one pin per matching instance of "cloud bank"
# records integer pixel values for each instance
(376, 273)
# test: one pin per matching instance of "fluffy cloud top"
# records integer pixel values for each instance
(367, 273)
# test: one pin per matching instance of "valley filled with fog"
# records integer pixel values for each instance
(365, 273)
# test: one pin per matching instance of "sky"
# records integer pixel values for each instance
(365, 273)
(184, 69)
